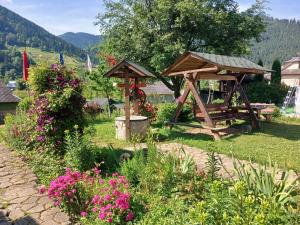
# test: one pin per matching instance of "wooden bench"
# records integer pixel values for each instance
(217, 111)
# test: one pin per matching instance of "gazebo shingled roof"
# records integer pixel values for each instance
(197, 60)
(131, 69)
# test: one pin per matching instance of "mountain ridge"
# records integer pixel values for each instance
(81, 39)
(16, 31)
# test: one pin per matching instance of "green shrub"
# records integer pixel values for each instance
(25, 104)
(163, 211)
(165, 174)
(266, 93)
(226, 203)
(79, 151)
(18, 131)
(108, 157)
(166, 112)
(262, 181)
(46, 165)
(276, 113)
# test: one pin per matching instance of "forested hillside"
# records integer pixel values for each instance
(281, 40)
(16, 32)
(81, 40)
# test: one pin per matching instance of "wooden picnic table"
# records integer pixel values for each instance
(261, 109)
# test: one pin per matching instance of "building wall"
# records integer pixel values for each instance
(8, 108)
(294, 66)
(156, 99)
(291, 81)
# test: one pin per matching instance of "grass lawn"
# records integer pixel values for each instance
(278, 140)
(105, 134)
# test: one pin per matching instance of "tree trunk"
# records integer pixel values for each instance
(108, 105)
(177, 83)
(175, 86)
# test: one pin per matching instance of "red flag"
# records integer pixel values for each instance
(25, 66)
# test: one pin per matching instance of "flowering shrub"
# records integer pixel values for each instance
(110, 60)
(87, 194)
(139, 97)
(92, 109)
(57, 105)
(112, 203)
(149, 111)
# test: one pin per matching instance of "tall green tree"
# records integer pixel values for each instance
(155, 32)
(259, 77)
(102, 84)
(276, 75)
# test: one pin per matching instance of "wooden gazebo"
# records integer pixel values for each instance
(230, 72)
(130, 72)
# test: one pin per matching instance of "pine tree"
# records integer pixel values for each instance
(276, 75)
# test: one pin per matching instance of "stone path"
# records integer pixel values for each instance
(20, 201)
(200, 157)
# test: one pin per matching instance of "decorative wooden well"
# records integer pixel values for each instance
(129, 71)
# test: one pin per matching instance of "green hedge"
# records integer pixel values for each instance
(266, 93)
(166, 113)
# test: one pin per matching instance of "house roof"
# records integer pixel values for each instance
(158, 88)
(98, 101)
(290, 72)
(129, 68)
(294, 59)
(291, 68)
(197, 60)
(6, 95)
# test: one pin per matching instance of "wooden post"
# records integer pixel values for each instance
(181, 102)
(254, 120)
(127, 109)
(136, 107)
(208, 120)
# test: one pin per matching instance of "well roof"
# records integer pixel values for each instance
(132, 69)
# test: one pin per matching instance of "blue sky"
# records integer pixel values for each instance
(60, 16)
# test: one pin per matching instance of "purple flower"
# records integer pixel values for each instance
(54, 67)
(41, 138)
(75, 83)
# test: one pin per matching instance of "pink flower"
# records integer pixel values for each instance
(109, 220)
(96, 170)
(112, 183)
(102, 216)
(107, 198)
(129, 217)
(42, 189)
(83, 214)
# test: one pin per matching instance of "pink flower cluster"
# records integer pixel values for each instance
(113, 199)
(63, 187)
(77, 190)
